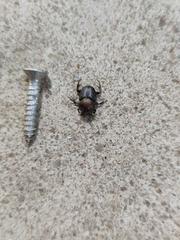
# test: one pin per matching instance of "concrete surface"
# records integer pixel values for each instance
(119, 177)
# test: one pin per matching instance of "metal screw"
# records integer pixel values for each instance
(34, 95)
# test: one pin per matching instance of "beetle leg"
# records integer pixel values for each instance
(99, 88)
(99, 104)
(74, 101)
(78, 86)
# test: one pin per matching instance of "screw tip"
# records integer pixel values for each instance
(29, 140)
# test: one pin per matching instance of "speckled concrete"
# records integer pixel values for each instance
(119, 177)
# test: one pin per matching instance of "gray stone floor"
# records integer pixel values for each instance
(118, 177)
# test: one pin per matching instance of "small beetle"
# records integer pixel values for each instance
(87, 103)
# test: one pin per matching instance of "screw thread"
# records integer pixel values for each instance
(32, 110)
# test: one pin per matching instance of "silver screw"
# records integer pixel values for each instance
(34, 95)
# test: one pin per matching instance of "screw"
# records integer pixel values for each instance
(36, 80)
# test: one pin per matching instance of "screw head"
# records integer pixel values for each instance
(36, 73)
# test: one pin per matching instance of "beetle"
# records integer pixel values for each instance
(88, 96)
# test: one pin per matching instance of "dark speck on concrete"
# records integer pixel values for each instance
(162, 21)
